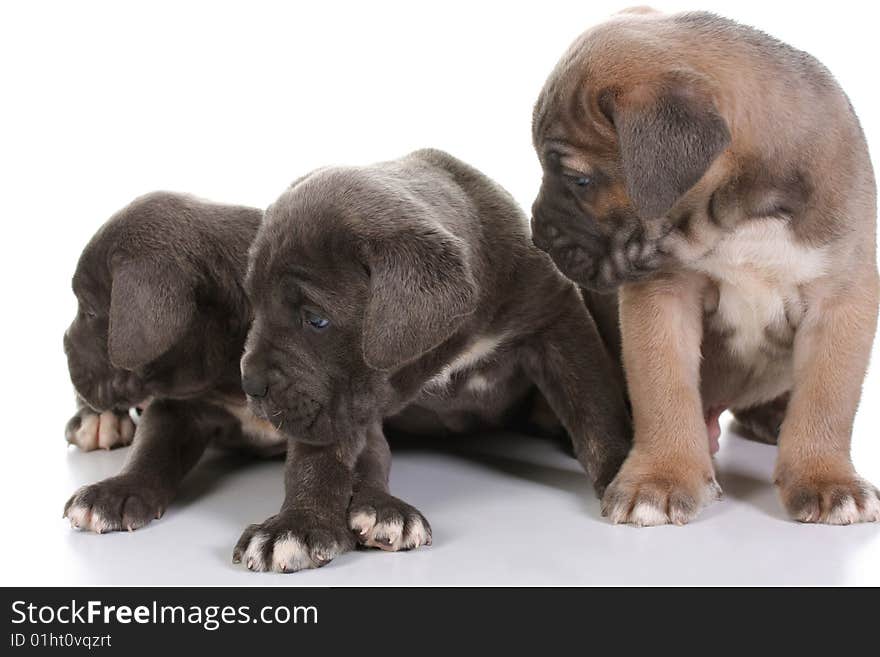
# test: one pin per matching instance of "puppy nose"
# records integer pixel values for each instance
(255, 385)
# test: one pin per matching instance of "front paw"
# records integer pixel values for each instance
(834, 496)
(292, 541)
(647, 493)
(381, 520)
(89, 430)
(115, 504)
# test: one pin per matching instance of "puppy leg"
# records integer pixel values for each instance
(377, 518)
(763, 422)
(577, 376)
(668, 475)
(89, 430)
(172, 435)
(311, 529)
(814, 472)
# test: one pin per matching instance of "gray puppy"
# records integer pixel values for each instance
(408, 292)
(161, 324)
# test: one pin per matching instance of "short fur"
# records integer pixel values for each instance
(161, 324)
(443, 317)
(721, 178)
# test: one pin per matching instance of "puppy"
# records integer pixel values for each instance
(161, 325)
(407, 292)
(722, 180)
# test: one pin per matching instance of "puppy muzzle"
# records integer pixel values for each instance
(118, 390)
(595, 260)
(297, 415)
(100, 385)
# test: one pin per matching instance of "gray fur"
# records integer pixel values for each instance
(413, 261)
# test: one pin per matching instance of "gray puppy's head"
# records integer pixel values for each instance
(350, 280)
(161, 308)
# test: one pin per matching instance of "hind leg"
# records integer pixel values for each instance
(761, 423)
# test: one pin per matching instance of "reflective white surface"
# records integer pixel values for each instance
(504, 509)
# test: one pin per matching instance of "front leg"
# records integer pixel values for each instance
(583, 384)
(377, 518)
(172, 435)
(311, 529)
(814, 472)
(668, 476)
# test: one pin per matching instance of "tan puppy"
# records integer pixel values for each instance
(721, 178)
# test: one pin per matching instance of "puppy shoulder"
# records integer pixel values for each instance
(476, 184)
(463, 174)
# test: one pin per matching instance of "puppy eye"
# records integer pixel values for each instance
(581, 181)
(316, 321)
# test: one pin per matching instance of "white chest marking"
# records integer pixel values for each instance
(478, 350)
(758, 269)
(479, 384)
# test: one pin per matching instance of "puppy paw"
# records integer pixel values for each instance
(115, 504)
(833, 500)
(288, 542)
(382, 521)
(89, 430)
(645, 496)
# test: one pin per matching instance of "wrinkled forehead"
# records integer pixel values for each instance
(576, 103)
(91, 279)
(121, 237)
(572, 121)
(331, 216)
(313, 251)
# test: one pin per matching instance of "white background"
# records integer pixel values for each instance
(100, 102)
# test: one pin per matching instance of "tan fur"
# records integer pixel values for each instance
(770, 274)
(669, 468)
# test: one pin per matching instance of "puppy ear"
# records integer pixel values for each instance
(151, 306)
(421, 290)
(669, 135)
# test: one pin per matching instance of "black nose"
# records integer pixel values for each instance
(255, 385)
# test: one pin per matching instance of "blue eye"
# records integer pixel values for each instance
(316, 321)
(581, 181)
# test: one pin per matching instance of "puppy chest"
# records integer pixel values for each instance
(468, 370)
(481, 379)
(465, 407)
(755, 300)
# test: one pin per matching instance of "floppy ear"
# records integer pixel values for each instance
(669, 135)
(421, 289)
(151, 306)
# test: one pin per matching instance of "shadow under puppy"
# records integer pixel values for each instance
(721, 178)
(161, 324)
(407, 292)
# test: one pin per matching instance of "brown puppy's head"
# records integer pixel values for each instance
(350, 281)
(623, 131)
(161, 308)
